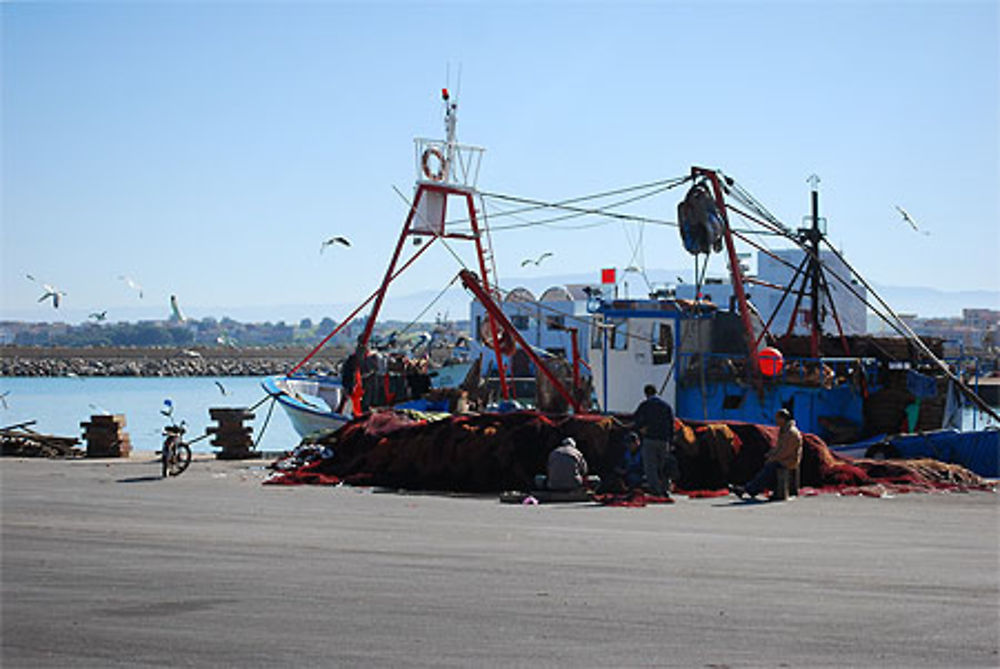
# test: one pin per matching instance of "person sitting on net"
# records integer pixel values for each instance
(567, 467)
(787, 454)
(631, 469)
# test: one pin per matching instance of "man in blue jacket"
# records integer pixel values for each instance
(654, 420)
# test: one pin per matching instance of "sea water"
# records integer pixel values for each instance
(60, 404)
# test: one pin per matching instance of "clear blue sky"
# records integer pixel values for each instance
(207, 149)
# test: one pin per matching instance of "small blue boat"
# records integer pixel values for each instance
(312, 403)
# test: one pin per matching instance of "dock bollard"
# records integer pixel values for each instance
(231, 435)
(106, 437)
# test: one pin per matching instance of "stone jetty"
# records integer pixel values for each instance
(46, 361)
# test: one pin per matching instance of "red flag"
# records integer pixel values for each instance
(608, 275)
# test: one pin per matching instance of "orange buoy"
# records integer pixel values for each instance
(771, 361)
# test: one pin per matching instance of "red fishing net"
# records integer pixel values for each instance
(497, 452)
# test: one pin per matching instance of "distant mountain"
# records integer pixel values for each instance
(925, 302)
(934, 303)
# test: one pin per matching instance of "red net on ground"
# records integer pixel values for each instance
(496, 452)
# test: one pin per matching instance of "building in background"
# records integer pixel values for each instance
(778, 271)
(545, 322)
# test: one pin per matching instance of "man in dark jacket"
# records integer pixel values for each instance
(567, 467)
(654, 420)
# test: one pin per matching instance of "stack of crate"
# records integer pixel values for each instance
(231, 435)
(106, 437)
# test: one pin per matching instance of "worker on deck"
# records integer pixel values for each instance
(566, 467)
(654, 421)
(787, 453)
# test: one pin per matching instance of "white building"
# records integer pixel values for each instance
(851, 310)
(545, 322)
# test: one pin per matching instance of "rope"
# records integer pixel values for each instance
(429, 305)
(578, 211)
(264, 399)
(670, 183)
(267, 420)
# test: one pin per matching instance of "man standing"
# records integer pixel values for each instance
(654, 420)
(566, 467)
(787, 453)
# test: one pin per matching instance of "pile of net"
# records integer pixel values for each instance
(22, 442)
(488, 453)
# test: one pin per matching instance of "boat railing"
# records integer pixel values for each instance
(825, 371)
(438, 161)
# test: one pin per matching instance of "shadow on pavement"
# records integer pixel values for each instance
(139, 479)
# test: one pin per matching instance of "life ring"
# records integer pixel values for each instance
(437, 175)
(505, 342)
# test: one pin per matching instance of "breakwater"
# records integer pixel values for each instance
(45, 361)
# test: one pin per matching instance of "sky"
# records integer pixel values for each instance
(206, 149)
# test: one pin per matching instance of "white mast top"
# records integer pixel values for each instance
(448, 162)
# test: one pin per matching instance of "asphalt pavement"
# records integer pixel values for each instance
(105, 565)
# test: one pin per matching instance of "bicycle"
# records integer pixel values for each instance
(175, 456)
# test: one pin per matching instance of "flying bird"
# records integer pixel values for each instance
(132, 283)
(909, 219)
(3, 399)
(536, 261)
(99, 315)
(222, 388)
(53, 293)
(343, 241)
(50, 292)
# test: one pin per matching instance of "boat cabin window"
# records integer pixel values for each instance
(597, 333)
(520, 321)
(618, 333)
(555, 322)
(663, 343)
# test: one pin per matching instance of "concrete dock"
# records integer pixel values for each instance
(106, 565)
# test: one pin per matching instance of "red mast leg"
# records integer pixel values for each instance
(734, 265)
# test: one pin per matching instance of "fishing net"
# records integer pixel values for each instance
(488, 453)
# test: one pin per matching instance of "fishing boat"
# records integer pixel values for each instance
(311, 402)
(863, 394)
(378, 373)
(725, 359)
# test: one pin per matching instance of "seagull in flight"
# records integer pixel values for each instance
(50, 292)
(53, 293)
(343, 241)
(222, 388)
(132, 283)
(99, 315)
(536, 261)
(909, 219)
(3, 399)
